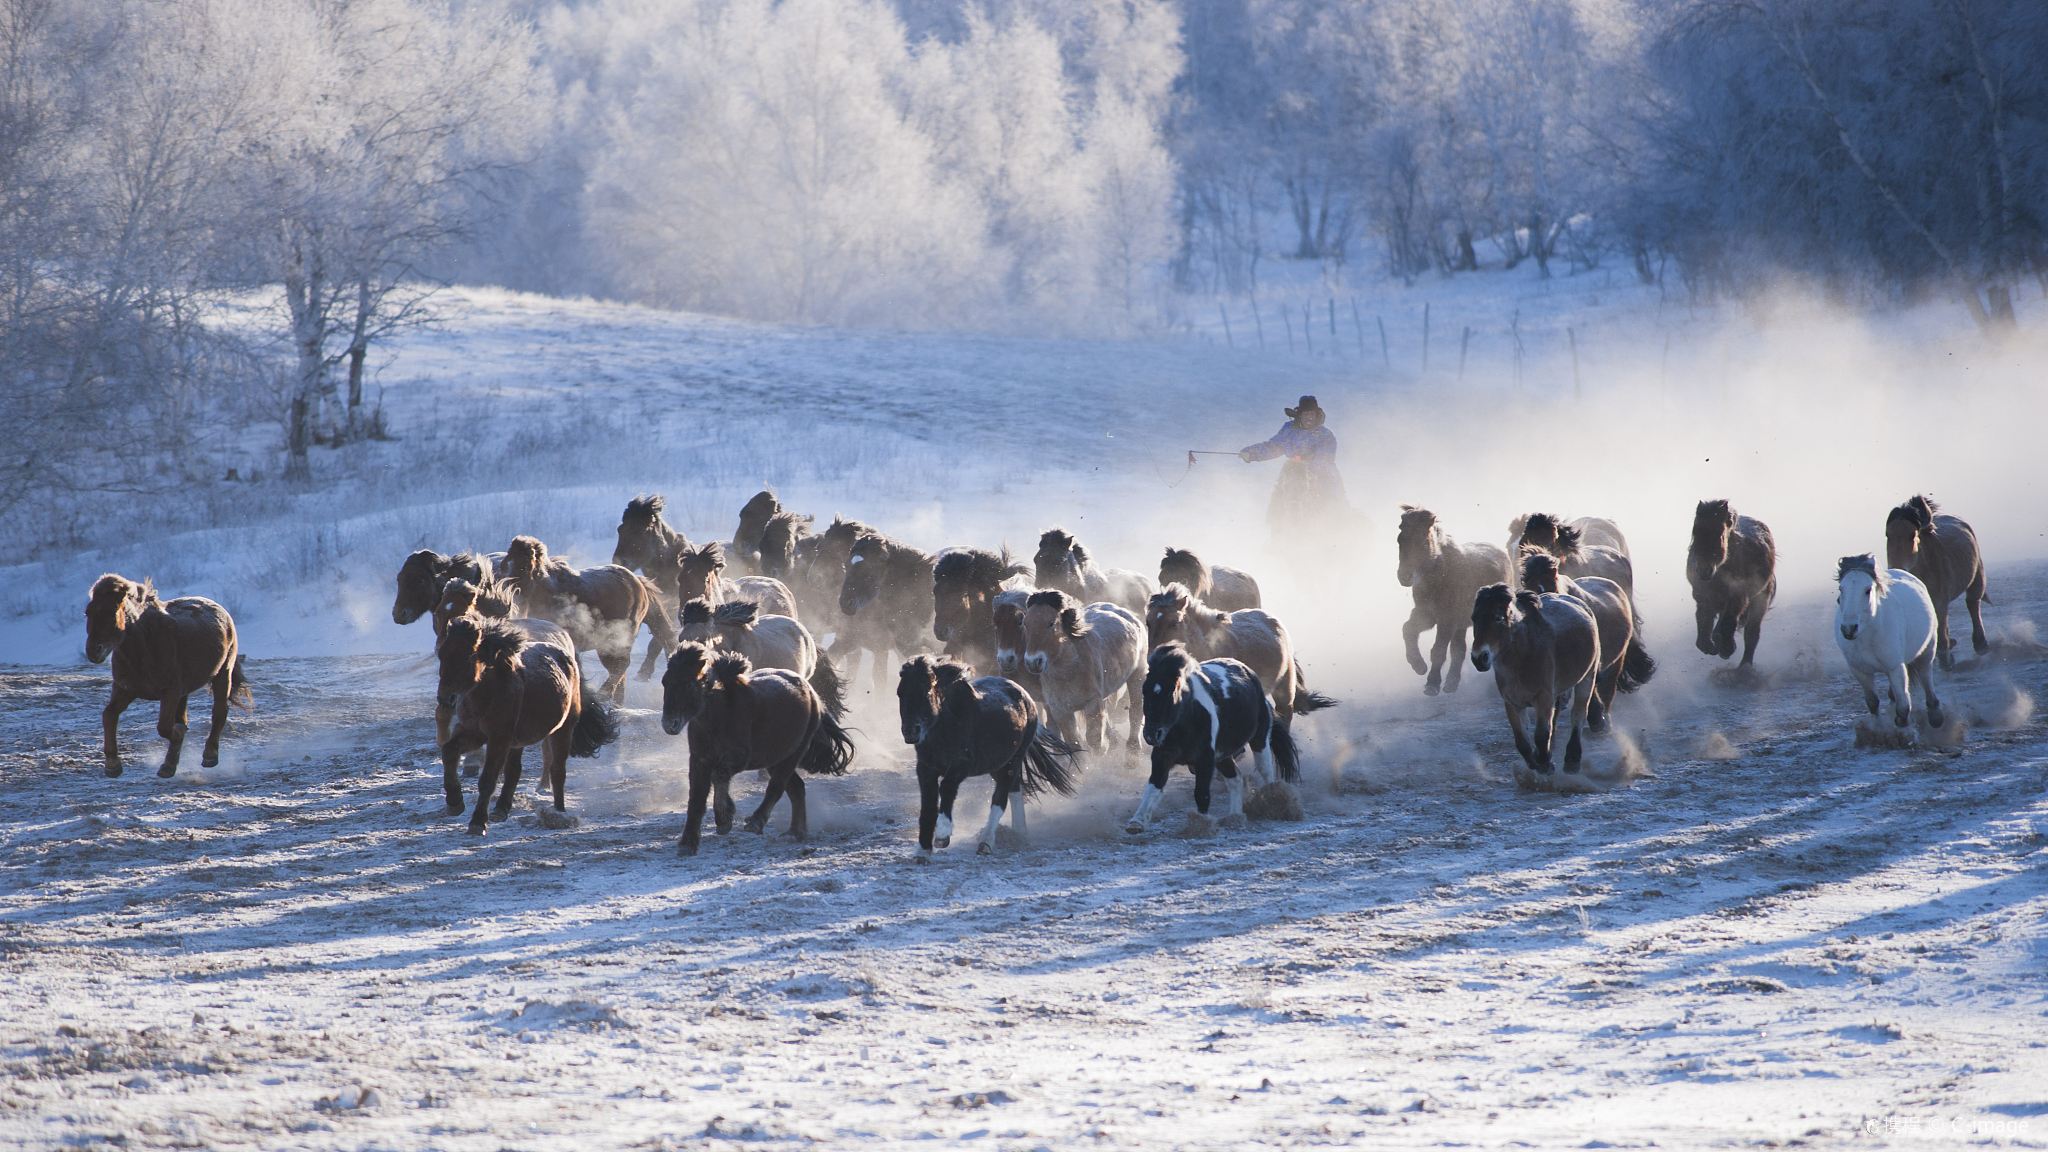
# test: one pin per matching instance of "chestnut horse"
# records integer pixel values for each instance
(603, 608)
(1250, 635)
(963, 727)
(741, 719)
(513, 684)
(163, 650)
(1732, 566)
(1224, 589)
(1444, 576)
(1942, 551)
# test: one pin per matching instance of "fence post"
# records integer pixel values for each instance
(1578, 390)
(1258, 324)
(1289, 322)
(1308, 327)
(1464, 345)
(1425, 337)
(1515, 330)
(1333, 324)
(1225, 313)
(1357, 329)
(1386, 362)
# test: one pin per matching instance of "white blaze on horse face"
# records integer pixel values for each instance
(1146, 804)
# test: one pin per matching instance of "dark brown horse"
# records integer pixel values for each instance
(741, 719)
(1624, 663)
(778, 544)
(426, 572)
(1249, 635)
(513, 684)
(603, 608)
(965, 583)
(886, 592)
(646, 542)
(1224, 589)
(1576, 553)
(1544, 651)
(1733, 568)
(1063, 564)
(1444, 576)
(964, 727)
(767, 641)
(163, 650)
(1593, 530)
(700, 572)
(755, 514)
(1942, 551)
(461, 598)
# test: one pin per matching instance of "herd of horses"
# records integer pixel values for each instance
(1191, 663)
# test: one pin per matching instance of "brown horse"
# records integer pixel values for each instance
(700, 572)
(461, 598)
(741, 719)
(1062, 563)
(426, 572)
(755, 514)
(768, 641)
(1624, 663)
(1083, 656)
(965, 584)
(603, 608)
(1595, 531)
(963, 727)
(1942, 551)
(163, 650)
(886, 592)
(1576, 553)
(513, 684)
(1732, 566)
(1444, 576)
(1249, 635)
(646, 542)
(1224, 589)
(1544, 651)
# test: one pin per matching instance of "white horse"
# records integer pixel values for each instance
(1884, 624)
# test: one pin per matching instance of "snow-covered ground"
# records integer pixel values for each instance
(1767, 937)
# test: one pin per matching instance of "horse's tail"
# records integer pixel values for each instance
(660, 625)
(238, 686)
(1305, 700)
(1049, 762)
(597, 724)
(831, 750)
(1286, 757)
(1636, 665)
(830, 687)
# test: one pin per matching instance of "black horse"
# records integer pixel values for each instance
(646, 542)
(965, 583)
(883, 596)
(1202, 714)
(962, 727)
(754, 517)
(426, 572)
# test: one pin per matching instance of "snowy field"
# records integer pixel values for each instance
(1763, 936)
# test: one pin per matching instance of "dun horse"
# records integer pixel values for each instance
(513, 684)
(1252, 636)
(741, 719)
(1887, 626)
(648, 543)
(767, 641)
(1202, 714)
(1083, 656)
(1224, 589)
(1007, 612)
(1444, 575)
(964, 727)
(1733, 569)
(426, 572)
(1577, 555)
(603, 608)
(1544, 651)
(700, 572)
(1624, 664)
(1062, 563)
(965, 584)
(1941, 550)
(163, 650)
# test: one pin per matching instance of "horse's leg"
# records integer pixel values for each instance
(1521, 731)
(110, 724)
(1411, 639)
(616, 666)
(1454, 666)
(1922, 672)
(757, 823)
(1233, 793)
(223, 683)
(451, 763)
(949, 790)
(1868, 682)
(1944, 645)
(722, 807)
(515, 767)
(1752, 629)
(1707, 619)
(1581, 702)
(1546, 733)
(1097, 717)
(495, 755)
(799, 811)
(1134, 694)
(170, 724)
(1973, 599)
(998, 802)
(927, 809)
(1724, 628)
(1900, 689)
(1162, 763)
(1600, 709)
(1205, 775)
(700, 791)
(444, 722)
(555, 766)
(1439, 649)
(1016, 801)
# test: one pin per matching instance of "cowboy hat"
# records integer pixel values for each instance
(1307, 404)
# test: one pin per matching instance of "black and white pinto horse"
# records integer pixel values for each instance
(1203, 714)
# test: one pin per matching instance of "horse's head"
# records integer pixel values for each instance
(462, 661)
(1058, 561)
(835, 543)
(113, 605)
(695, 621)
(1168, 676)
(1860, 587)
(1007, 610)
(1180, 566)
(1418, 542)
(459, 597)
(1903, 529)
(525, 557)
(866, 570)
(1493, 613)
(698, 569)
(1539, 569)
(918, 690)
(778, 541)
(1542, 530)
(1052, 619)
(419, 581)
(754, 517)
(1166, 615)
(639, 540)
(685, 685)
(963, 583)
(1713, 521)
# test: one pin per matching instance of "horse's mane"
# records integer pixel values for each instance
(848, 530)
(1181, 557)
(1171, 659)
(690, 656)
(1062, 604)
(1539, 569)
(790, 522)
(1541, 522)
(711, 552)
(934, 673)
(1175, 596)
(645, 509)
(1568, 542)
(544, 564)
(765, 496)
(120, 587)
(1529, 604)
(697, 610)
(1866, 563)
(497, 642)
(1717, 511)
(1017, 598)
(1416, 516)
(977, 566)
(1064, 541)
(739, 613)
(1919, 512)
(729, 668)
(1492, 596)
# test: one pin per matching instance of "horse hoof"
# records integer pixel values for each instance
(985, 849)
(210, 760)
(113, 770)
(455, 807)
(1234, 820)
(167, 771)
(476, 829)
(922, 857)
(1421, 669)
(1134, 828)
(685, 848)
(1431, 689)
(1450, 685)
(942, 841)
